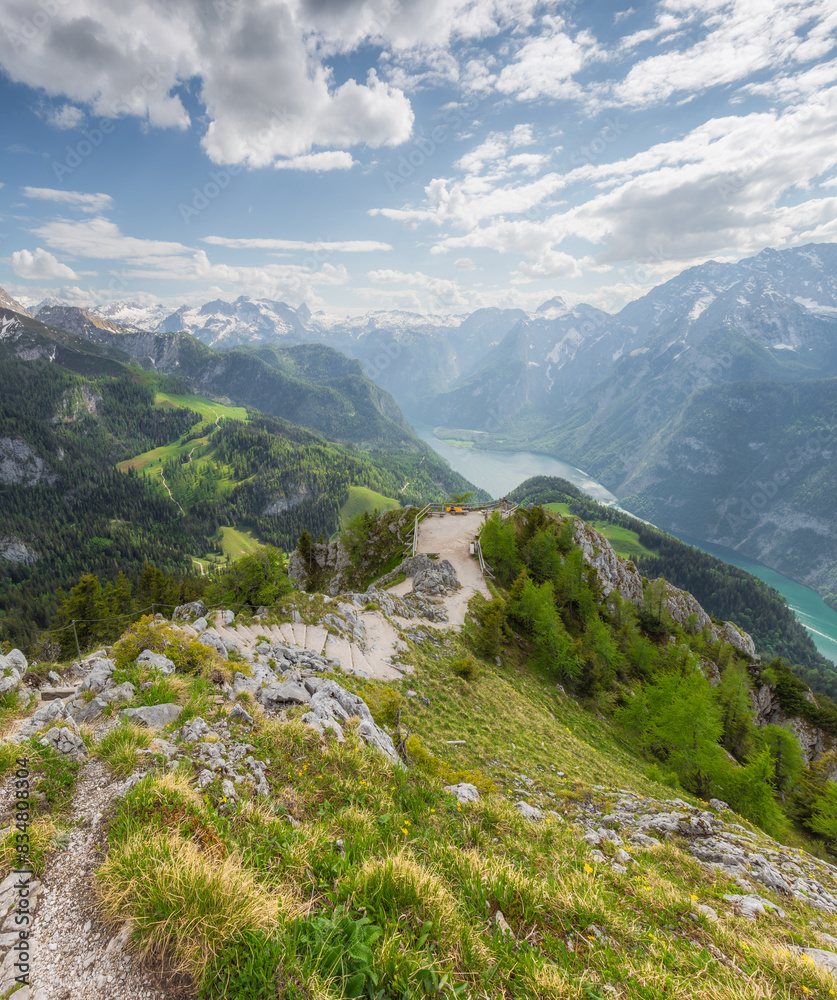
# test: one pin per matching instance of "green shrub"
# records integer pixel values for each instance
(188, 655)
(466, 667)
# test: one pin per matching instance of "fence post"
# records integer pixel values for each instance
(78, 648)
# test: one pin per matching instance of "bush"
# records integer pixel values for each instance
(188, 655)
(466, 667)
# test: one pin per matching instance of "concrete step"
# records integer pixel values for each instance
(287, 634)
(50, 694)
(359, 661)
(315, 638)
(340, 650)
(298, 634)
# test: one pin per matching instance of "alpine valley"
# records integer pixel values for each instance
(707, 406)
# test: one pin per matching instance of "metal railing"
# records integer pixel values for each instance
(421, 514)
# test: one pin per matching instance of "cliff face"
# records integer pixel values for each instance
(618, 574)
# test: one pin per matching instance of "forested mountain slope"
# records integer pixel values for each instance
(105, 466)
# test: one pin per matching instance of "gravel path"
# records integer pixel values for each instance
(450, 537)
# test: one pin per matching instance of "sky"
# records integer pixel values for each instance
(437, 156)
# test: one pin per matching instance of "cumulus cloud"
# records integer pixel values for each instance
(40, 264)
(722, 187)
(77, 199)
(65, 117)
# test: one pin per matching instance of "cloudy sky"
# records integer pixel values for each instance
(433, 155)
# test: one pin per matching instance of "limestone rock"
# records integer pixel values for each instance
(464, 791)
(286, 693)
(162, 663)
(66, 742)
(98, 675)
(529, 812)
(153, 716)
(195, 609)
(238, 713)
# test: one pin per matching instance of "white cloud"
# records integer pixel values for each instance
(464, 264)
(338, 246)
(546, 64)
(741, 38)
(101, 239)
(259, 68)
(65, 117)
(331, 160)
(40, 264)
(442, 292)
(78, 199)
(723, 186)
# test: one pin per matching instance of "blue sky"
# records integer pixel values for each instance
(431, 155)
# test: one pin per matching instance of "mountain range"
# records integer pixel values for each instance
(707, 405)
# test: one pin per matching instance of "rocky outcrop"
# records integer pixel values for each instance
(620, 575)
(13, 550)
(614, 572)
(20, 466)
(293, 496)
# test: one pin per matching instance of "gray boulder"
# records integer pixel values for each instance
(210, 638)
(348, 705)
(752, 906)
(238, 713)
(228, 617)
(65, 742)
(117, 695)
(192, 610)
(15, 659)
(194, 730)
(162, 663)
(10, 682)
(325, 724)
(153, 716)
(464, 791)
(376, 737)
(88, 710)
(200, 625)
(99, 674)
(50, 712)
(286, 693)
(528, 812)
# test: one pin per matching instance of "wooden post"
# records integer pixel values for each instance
(78, 648)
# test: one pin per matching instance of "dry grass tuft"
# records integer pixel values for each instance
(182, 902)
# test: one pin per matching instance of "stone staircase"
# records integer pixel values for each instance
(349, 655)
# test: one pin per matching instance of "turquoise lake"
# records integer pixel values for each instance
(500, 472)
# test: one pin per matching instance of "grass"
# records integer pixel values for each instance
(405, 907)
(119, 747)
(236, 543)
(625, 542)
(361, 499)
(356, 877)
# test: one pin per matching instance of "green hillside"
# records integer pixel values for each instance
(112, 467)
(725, 591)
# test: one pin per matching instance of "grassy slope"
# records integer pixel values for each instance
(624, 541)
(360, 500)
(211, 413)
(258, 897)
